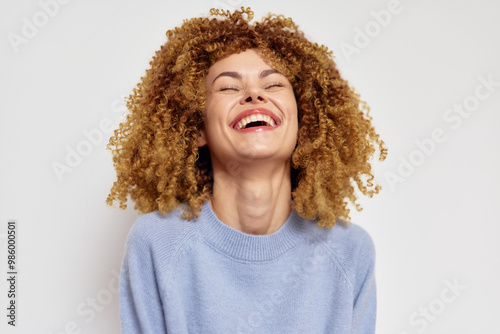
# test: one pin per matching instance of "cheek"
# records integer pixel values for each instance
(287, 98)
(220, 107)
(211, 110)
(291, 105)
(209, 102)
(215, 117)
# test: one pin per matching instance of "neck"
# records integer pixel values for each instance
(254, 199)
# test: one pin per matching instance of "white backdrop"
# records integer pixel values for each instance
(429, 70)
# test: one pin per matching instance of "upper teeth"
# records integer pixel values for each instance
(254, 118)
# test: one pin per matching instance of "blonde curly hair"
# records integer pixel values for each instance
(155, 150)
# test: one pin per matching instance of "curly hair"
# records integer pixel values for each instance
(155, 150)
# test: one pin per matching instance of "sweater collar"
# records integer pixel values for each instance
(248, 247)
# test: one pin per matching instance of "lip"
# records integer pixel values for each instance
(255, 111)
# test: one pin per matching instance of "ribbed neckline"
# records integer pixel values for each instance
(248, 247)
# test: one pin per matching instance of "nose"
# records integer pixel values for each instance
(253, 95)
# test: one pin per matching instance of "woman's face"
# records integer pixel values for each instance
(251, 112)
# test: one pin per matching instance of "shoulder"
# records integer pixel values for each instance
(350, 247)
(343, 237)
(154, 232)
(353, 237)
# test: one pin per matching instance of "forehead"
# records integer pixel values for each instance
(247, 61)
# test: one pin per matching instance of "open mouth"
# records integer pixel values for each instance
(254, 120)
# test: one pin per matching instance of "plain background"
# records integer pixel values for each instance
(435, 223)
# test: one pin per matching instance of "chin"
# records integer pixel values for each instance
(260, 153)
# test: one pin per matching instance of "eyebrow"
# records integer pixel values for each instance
(237, 75)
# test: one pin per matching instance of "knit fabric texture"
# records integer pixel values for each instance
(203, 276)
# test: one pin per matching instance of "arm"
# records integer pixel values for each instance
(365, 297)
(140, 302)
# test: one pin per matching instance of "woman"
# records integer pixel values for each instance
(242, 140)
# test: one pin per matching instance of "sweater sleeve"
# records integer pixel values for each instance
(140, 302)
(365, 298)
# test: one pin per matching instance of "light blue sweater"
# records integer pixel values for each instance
(203, 276)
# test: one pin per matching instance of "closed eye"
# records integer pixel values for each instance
(274, 85)
(228, 88)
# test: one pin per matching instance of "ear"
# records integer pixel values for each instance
(202, 137)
